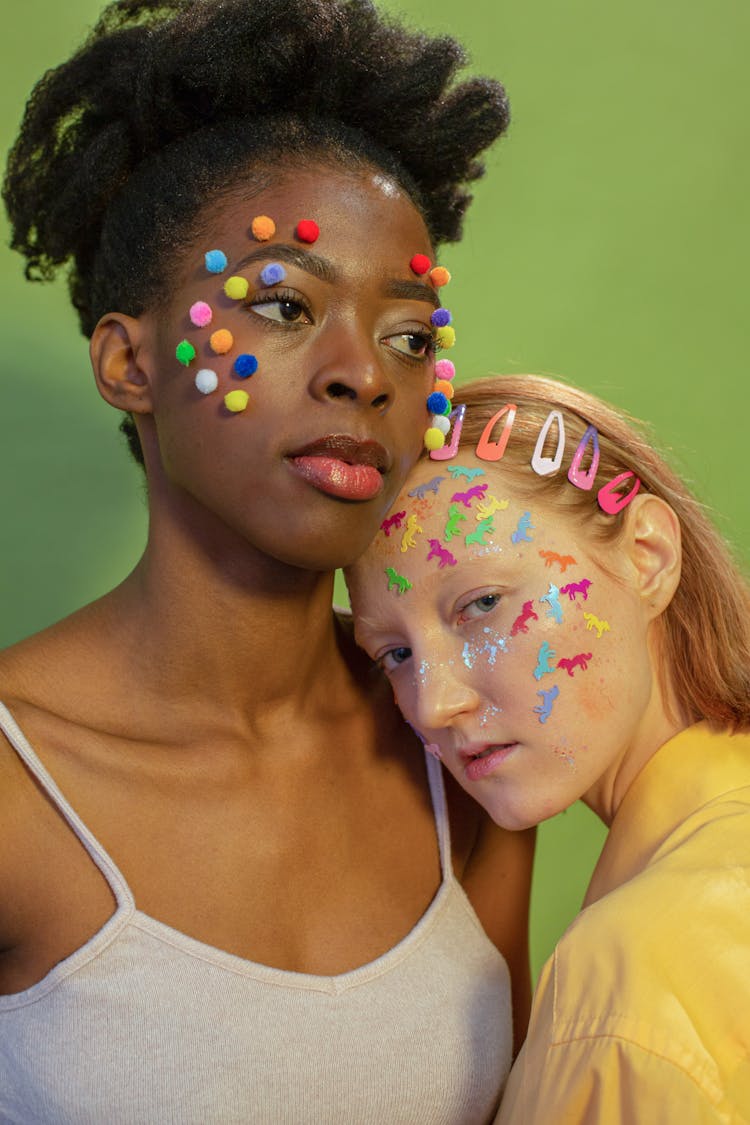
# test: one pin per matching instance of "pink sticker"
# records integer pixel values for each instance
(585, 479)
(487, 450)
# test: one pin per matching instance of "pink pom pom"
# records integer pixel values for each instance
(201, 314)
(444, 369)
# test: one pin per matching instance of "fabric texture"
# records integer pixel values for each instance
(642, 1014)
(144, 1024)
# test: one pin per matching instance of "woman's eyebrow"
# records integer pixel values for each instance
(295, 256)
(411, 291)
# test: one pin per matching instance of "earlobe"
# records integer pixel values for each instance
(654, 546)
(116, 351)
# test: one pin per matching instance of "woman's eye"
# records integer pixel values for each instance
(418, 345)
(392, 659)
(479, 607)
(282, 310)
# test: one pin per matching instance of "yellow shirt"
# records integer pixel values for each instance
(642, 1014)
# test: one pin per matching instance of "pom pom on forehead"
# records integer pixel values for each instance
(263, 228)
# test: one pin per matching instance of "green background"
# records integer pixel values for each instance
(609, 243)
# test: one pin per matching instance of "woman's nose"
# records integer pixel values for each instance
(350, 367)
(443, 697)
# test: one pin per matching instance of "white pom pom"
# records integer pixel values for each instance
(206, 380)
(440, 422)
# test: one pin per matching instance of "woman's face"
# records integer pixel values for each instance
(509, 645)
(336, 411)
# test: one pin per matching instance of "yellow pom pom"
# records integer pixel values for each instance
(236, 401)
(263, 228)
(433, 439)
(444, 387)
(439, 276)
(446, 337)
(221, 341)
(236, 288)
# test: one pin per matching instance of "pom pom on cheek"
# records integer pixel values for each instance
(221, 341)
(185, 353)
(236, 401)
(201, 314)
(245, 365)
(307, 230)
(272, 274)
(216, 261)
(206, 381)
(263, 228)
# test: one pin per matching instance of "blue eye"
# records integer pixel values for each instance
(479, 607)
(391, 660)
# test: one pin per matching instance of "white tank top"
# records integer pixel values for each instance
(144, 1025)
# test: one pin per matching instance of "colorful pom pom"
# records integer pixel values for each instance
(221, 341)
(236, 288)
(442, 423)
(445, 337)
(439, 276)
(272, 274)
(236, 401)
(420, 264)
(433, 439)
(263, 228)
(245, 365)
(185, 352)
(445, 387)
(445, 369)
(436, 403)
(440, 318)
(201, 314)
(307, 230)
(206, 380)
(216, 261)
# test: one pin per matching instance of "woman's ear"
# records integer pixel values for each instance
(653, 543)
(116, 351)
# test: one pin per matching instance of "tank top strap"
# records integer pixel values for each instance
(111, 873)
(440, 809)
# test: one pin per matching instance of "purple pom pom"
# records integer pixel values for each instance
(272, 274)
(440, 318)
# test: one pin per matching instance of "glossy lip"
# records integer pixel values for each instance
(346, 448)
(476, 768)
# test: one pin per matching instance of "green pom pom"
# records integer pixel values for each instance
(185, 352)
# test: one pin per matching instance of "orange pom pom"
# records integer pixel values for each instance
(444, 387)
(263, 228)
(221, 341)
(439, 276)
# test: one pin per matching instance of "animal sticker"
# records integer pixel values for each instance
(544, 661)
(521, 534)
(391, 522)
(412, 529)
(457, 471)
(441, 553)
(581, 660)
(489, 506)
(593, 622)
(552, 598)
(527, 614)
(574, 588)
(401, 583)
(455, 517)
(563, 561)
(484, 527)
(475, 493)
(430, 486)
(544, 710)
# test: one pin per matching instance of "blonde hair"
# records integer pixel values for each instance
(705, 630)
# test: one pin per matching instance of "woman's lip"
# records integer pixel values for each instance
(347, 448)
(477, 768)
(339, 478)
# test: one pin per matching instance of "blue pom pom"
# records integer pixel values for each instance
(272, 274)
(216, 261)
(440, 318)
(245, 365)
(437, 402)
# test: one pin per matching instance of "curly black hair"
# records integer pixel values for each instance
(172, 102)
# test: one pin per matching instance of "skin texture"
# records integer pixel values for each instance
(469, 647)
(210, 720)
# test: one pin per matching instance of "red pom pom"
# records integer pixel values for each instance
(420, 263)
(307, 230)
